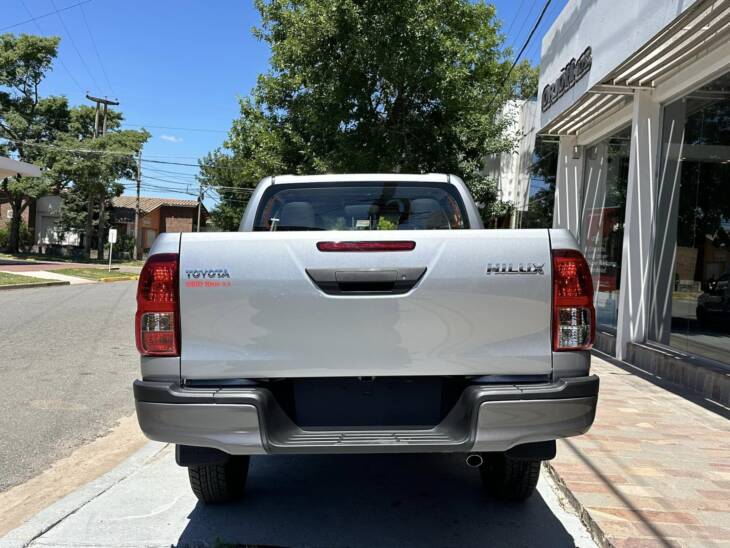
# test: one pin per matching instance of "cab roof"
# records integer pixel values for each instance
(362, 177)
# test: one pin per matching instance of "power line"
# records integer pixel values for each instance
(176, 173)
(524, 21)
(186, 183)
(182, 164)
(96, 50)
(232, 188)
(173, 163)
(535, 46)
(157, 187)
(147, 186)
(517, 13)
(517, 58)
(198, 129)
(32, 19)
(152, 189)
(81, 150)
(110, 152)
(63, 65)
(73, 43)
(189, 183)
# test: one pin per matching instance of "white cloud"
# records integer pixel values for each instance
(171, 138)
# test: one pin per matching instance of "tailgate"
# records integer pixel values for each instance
(272, 305)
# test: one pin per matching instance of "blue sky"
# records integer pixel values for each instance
(178, 67)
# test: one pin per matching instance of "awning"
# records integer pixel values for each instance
(699, 29)
(10, 168)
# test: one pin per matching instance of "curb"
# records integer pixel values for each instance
(598, 534)
(48, 518)
(37, 284)
(119, 279)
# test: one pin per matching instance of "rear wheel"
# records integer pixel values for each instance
(507, 478)
(219, 483)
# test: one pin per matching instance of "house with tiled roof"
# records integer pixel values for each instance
(156, 215)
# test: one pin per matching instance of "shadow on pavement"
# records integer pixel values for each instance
(371, 500)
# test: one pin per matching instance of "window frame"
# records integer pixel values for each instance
(449, 189)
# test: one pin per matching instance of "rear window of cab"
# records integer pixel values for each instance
(361, 206)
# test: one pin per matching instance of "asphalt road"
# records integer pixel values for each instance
(67, 362)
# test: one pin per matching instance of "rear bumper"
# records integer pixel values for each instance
(247, 421)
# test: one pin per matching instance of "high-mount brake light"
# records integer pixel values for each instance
(398, 245)
(574, 317)
(157, 322)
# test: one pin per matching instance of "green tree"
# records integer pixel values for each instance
(486, 195)
(26, 119)
(224, 173)
(369, 86)
(525, 78)
(90, 169)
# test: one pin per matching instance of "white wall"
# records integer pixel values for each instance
(641, 213)
(568, 187)
(47, 213)
(511, 170)
(614, 29)
(49, 205)
(529, 121)
(503, 167)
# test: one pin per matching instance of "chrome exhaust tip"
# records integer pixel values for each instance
(474, 460)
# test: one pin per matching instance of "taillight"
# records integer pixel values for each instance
(157, 323)
(574, 317)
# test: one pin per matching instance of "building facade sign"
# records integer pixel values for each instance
(569, 75)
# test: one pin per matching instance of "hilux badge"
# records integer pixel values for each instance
(519, 268)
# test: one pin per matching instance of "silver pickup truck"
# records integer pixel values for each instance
(364, 314)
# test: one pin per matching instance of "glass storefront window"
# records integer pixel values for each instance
(605, 175)
(543, 171)
(692, 271)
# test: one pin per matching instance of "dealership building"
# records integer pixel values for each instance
(635, 97)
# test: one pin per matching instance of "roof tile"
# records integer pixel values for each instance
(147, 204)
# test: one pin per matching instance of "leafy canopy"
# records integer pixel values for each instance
(26, 117)
(46, 132)
(369, 86)
(90, 168)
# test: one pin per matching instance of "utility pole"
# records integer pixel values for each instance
(200, 203)
(97, 131)
(101, 101)
(136, 209)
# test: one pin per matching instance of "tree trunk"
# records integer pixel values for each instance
(89, 226)
(100, 231)
(16, 204)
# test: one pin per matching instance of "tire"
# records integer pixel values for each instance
(509, 479)
(219, 483)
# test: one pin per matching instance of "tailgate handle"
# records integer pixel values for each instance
(391, 281)
(362, 276)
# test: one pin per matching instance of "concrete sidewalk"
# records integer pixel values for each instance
(25, 266)
(313, 500)
(655, 468)
(50, 275)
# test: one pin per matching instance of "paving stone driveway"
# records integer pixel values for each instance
(655, 468)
